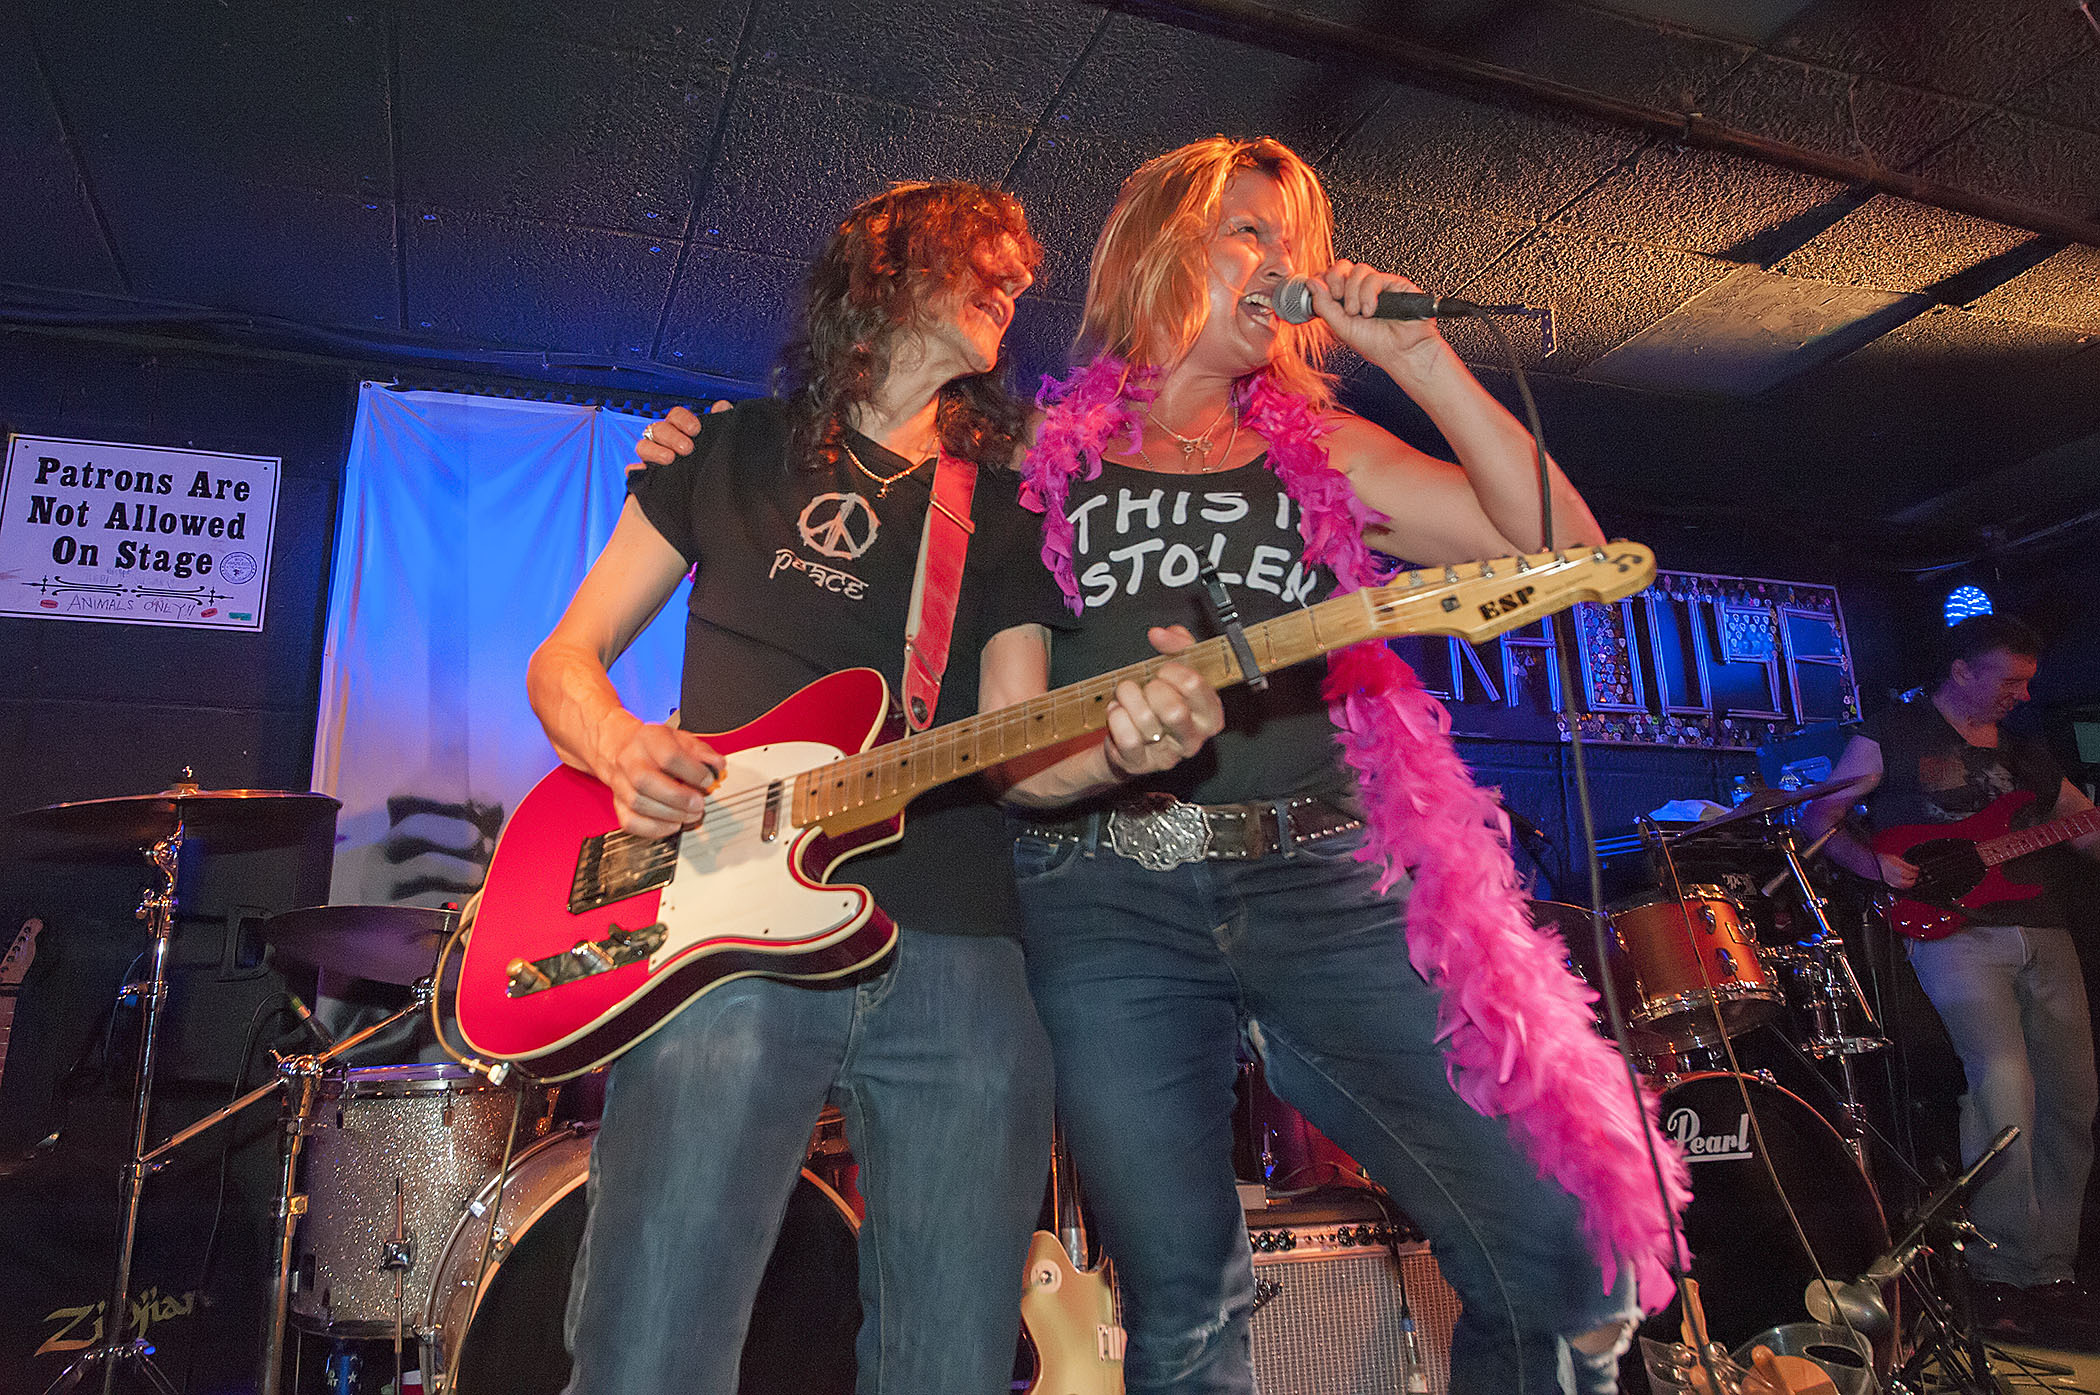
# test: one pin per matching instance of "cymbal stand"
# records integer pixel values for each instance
(299, 1082)
(1825, 949)
(157, 909)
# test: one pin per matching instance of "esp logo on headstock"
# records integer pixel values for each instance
(1504, 604)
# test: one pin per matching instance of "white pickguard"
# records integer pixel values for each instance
(731, 882)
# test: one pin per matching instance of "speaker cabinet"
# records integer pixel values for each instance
(1328, 1302)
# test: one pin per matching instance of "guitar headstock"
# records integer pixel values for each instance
(1478, 600)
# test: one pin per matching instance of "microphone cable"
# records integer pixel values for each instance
(1615, 1018)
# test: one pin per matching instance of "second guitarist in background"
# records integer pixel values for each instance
(2007, 986)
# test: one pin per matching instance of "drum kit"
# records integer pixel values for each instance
(427, 1214)
(1785, 1213)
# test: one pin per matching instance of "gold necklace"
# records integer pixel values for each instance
(1206, 468)
(1201, 441)
(884, 483)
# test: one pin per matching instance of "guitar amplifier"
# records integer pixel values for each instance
(1327, 1292)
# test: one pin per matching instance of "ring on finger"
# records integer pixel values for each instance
(1155, 738)
(649, 433)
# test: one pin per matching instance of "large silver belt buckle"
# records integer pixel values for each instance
(1161, 834)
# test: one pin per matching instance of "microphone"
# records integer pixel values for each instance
(1294, 303)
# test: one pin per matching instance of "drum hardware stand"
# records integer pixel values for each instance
(157, 909)
(299, 1080)
(1836, 985)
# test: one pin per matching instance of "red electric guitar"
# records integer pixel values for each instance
(588, 937)
(1958, 863)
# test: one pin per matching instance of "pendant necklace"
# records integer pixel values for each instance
(1202, 441)
(883, 483)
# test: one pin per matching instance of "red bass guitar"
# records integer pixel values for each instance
(589, 937)
(1958, 864)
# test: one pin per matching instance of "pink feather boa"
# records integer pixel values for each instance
(1516, 1025)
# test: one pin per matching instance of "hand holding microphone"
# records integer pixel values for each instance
(1403, 300)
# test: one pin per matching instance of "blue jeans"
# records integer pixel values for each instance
(2014, 1002)
(1145, 982)
(942, 1073)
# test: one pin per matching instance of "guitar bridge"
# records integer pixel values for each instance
(584, 959)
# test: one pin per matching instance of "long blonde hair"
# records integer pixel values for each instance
(1147, 295)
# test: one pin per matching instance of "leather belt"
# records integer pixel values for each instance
(1159, 832)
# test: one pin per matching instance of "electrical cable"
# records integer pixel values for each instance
(1615, 1017)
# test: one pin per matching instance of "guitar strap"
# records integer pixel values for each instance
(929, 625)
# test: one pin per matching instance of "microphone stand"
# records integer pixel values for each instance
(1954, 1345)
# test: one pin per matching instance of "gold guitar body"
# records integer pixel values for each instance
(1070, 1315)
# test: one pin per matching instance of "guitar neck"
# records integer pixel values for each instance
(1473, 600)
(2007, 846)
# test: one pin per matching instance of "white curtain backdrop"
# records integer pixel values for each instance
(466, 524)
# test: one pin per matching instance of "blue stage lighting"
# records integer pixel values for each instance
(1965, 601)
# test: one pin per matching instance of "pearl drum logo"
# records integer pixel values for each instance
(1686, 1127)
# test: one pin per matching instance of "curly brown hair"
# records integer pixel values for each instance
(888, 260)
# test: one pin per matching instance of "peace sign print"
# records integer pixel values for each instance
(838, 525)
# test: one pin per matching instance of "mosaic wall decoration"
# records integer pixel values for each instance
(1717, 662)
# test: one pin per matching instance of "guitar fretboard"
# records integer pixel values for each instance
(1422, 601)
(2007, 846)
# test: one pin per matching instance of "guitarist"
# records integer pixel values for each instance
(801, 519)
(2008, 986)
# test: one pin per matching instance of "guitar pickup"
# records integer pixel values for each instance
(614, 866)
(584, 959)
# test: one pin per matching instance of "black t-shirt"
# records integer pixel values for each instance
(800, 574)
(1931, 775)
(1140, 539)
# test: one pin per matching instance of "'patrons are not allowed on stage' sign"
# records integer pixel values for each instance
(139, 535)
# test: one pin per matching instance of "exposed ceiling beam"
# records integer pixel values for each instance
(1261, 24)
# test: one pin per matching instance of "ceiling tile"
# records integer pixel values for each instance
(531, 285)
(1697, 200)
(2064, 290)
(2026, 161)
(270, 91)
(1894, 244)
(1954, 46)
(989, 60)
(1440, 249)
(1161, 86)
(701, 32)
(1603, 292)
(793, 162)
(1748, 333)
(1428, 148)
(1614, 55)
(561, 131)
(2069, 96)
(731, 313)
(1068, 182)
(1837, 113)
(47, 225)
(311, 258)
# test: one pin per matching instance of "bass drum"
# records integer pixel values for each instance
(1751, 1269)
(507, 1340)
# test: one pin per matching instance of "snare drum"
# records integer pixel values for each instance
(1688, 957)
(506, 1338)
(392, 1156)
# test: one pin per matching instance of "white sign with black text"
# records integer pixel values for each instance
(138, 535)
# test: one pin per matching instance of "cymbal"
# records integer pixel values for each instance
(391, 944)
(1765, 802)
(1562, 916)
(123, 827)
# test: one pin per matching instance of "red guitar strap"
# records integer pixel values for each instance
(930, 623)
